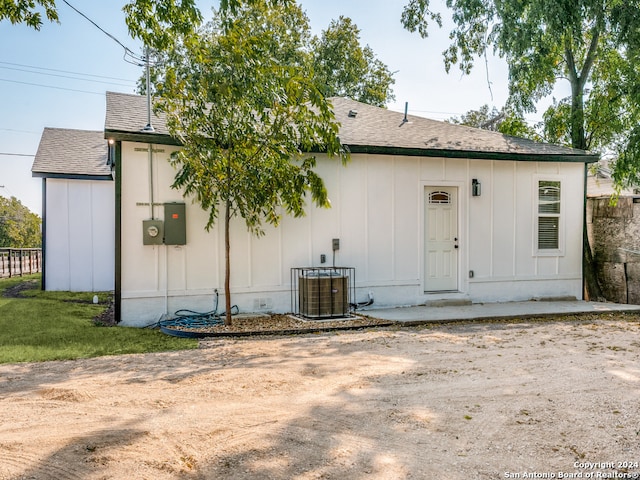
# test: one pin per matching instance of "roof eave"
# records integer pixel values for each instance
(71, 176)
(475, 155)
(164, 139)
(141, 137)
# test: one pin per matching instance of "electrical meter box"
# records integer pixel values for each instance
(175, 224)
(152, 232)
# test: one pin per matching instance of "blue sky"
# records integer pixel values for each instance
(75, 63)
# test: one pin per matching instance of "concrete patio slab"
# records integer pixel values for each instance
(483, 311)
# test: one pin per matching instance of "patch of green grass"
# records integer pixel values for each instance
(6, 283)
(59, 326)
(80, 297)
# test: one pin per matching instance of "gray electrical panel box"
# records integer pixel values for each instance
(152, 232)
(175, 224)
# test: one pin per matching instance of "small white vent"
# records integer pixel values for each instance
(262, 304)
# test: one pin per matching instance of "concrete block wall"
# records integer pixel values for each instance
(614, 234)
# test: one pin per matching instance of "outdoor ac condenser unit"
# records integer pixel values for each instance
(324, 295)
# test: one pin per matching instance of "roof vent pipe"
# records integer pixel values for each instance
(406, 110)
(149, 127)
(353, 113)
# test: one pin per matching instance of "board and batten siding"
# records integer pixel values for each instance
(378, 209)
(80, 243)
(506, 262)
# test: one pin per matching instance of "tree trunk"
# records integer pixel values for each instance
(578, 139)
(592, 289)
(591, 284)
(227, 264)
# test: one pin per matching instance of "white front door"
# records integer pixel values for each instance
(441, 239)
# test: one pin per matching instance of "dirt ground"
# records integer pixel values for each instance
(464, 401)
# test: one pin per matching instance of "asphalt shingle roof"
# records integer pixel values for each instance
(127, 113)
(373, 129)
(71, 153)
(378, 127)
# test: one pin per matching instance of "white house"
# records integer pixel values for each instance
(424, 211)
(78, 208)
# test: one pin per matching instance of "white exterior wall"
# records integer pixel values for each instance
(80, 241)
(378, 209)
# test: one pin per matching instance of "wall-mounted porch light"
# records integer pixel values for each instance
(476, 188)
(111, 154)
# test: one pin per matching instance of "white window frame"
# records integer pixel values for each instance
(549, 252)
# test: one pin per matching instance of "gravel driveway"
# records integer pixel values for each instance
(463, 401)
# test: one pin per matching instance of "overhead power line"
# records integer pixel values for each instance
(66, 76)
(127, 51)
(19, 131)
(17, 154)
(434, 112)
(50, 86)
(67, 71)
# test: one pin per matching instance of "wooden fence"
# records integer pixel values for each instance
(15, 262)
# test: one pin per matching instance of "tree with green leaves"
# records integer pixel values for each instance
(342, 67)
(485, 118)
(28, 12)
(337, 62)
(239, 97)
(163, 24)
(585, 43)
(19, 227)
(588, 43)
(497, 121)
(150, 14)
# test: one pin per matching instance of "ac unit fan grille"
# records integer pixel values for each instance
(323, 296)
(322, 293)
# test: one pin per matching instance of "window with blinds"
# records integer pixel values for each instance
(548, 215)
